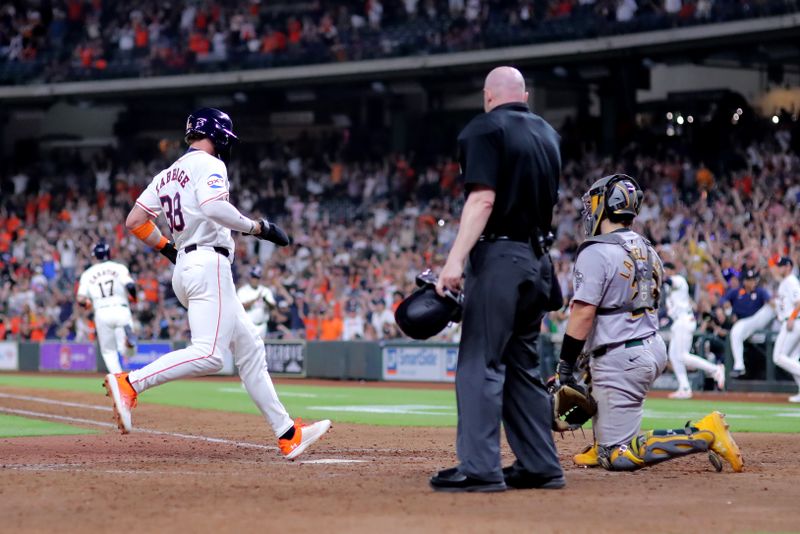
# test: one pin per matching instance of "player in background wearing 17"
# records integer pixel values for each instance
(107, 287)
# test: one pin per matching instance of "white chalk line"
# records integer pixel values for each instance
(50, 401)
(82, 421)
(93, 422)
(77, 468)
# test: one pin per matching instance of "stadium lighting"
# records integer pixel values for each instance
(690, 119)
(735, 117)
(775, 119)
(739, 111)
(441, 222)
(680, 119)
(669, 115)
(670, 131)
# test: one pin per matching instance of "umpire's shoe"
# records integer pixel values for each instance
(518, 478)
(454, 481)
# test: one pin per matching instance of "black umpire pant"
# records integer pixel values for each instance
(498, 374)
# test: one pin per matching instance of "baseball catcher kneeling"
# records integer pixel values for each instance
(614, 321)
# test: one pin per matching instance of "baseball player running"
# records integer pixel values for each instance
(257, 299)
(679, 309)
(107, 287)
(617, 280)
(193, 196)
(750, 305)
(787, 307)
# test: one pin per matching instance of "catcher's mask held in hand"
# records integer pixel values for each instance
(617, 198)
(424, 313)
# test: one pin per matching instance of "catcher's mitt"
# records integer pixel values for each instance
(573, 405)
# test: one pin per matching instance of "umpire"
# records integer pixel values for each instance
(511, 164)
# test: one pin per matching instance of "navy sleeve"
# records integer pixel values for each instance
(764, 294)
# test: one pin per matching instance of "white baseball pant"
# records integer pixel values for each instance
(203, 283)
(110, 323)
(680, 357)
(784, 352)
(744, 328)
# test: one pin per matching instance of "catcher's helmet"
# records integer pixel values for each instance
(215, 125)
(102, 251)
(424, 313)
(617, 198)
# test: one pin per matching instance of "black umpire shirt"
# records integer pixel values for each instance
(516, 153)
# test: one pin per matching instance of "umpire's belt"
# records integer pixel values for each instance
(491, 238)
(219, 250)
(613, 346)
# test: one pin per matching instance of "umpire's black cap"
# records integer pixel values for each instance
(784, 261)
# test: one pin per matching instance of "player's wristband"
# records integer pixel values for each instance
(162, 243)
(794, 314)
(144, 230)
(571, 348)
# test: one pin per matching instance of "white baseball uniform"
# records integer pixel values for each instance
(105, 285)
(679, 309)
(784, 353)
(203, 282)
(258, 312)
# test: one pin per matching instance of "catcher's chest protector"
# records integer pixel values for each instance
(645, 286)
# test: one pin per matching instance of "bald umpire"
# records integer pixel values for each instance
(511, 165)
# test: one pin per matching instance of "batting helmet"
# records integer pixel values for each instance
(424, 313)
(102, 251)
(617, 198)
(214, 124)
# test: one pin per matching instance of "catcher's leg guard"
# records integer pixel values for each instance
(587, 457)
(655, 447)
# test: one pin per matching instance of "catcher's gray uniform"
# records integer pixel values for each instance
(627, 352)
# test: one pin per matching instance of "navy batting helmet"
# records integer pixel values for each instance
(424, 313)
(214, 124)
(102, 251)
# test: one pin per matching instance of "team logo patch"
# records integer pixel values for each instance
(578, 280)
(215, 181)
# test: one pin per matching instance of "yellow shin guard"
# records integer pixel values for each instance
(654, 447)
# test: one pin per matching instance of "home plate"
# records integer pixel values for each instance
(333, 461)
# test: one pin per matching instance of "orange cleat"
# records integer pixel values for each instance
(304, 436)
(124, 397)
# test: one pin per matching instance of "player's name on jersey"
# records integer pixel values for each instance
(174, 175)
(103, 272)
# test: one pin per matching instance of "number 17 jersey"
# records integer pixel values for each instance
(180, 191)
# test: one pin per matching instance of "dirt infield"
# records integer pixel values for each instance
(156, 482)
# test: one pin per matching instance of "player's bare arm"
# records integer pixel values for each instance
(476, 214)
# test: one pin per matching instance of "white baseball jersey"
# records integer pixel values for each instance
(679, 303)
(258, 312)
(104, 283)
(788, 296)
(193, 180)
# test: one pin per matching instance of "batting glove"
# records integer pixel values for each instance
(273, 232)
(170, 252)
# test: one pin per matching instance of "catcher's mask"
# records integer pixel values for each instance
(617, 198)
(424, 313)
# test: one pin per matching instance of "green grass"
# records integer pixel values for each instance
(12, 426)
(400, 406)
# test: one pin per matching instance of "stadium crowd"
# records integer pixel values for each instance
(81, 39)
(364, 229)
